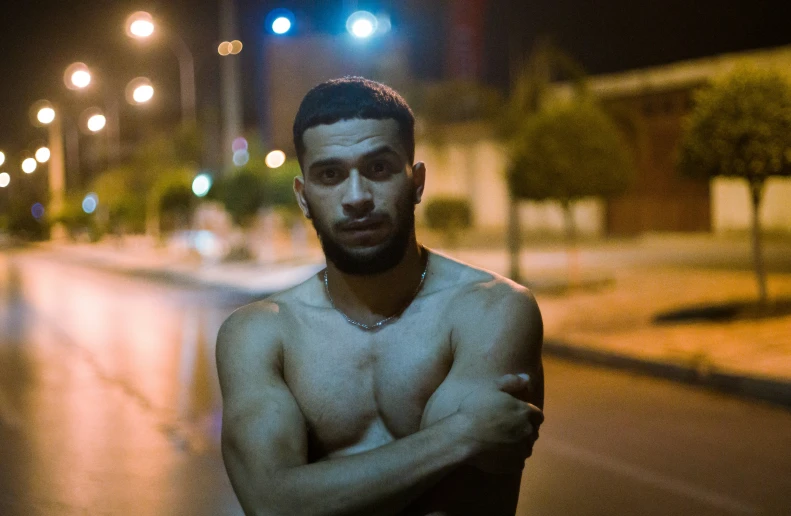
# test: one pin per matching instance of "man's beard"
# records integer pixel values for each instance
(382, 259)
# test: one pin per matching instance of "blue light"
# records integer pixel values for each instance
(280, 21)
(90, 202)
(37, 210)
(281, 25)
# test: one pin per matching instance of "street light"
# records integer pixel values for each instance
(361, 24)
(77, 76)
(280, 21)
(96, 123)
(140, 25)
(29, 165)
(42, 154)
(46, 115)
(139, 91)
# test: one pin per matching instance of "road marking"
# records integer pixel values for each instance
(726, 503)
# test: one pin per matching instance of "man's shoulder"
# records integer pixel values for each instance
(262, 322)
(476, 286)
(484, 301)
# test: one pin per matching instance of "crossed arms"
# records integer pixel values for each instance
(479, 416)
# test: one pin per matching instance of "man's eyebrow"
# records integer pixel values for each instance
(384, 149)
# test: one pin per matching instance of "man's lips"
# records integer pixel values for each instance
(362, 225)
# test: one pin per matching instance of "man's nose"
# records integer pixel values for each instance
(357, 199)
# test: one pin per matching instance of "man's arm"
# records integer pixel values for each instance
(264, 439)
(497, 331)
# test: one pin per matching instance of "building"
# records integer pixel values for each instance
(649, 106)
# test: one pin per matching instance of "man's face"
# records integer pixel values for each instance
(360, 191)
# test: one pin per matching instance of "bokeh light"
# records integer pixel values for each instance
(275, 159)
(81, 78)
(45, 115)
(96, 123)
(280, 21)
(281, 25)
(5, 178)
(29, 165)
(140, 25)
(77, 76)
(224, 48)
(239, 144)
(201, 184)
(143, 93)
(361, 24)
(37, 210)
(139, 90)
(90, 202)
(42, 154)
(241, 157)
(2, 158)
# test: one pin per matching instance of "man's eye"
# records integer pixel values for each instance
(329, 174)
(379, 168)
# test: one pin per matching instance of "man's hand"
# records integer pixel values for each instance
(504, 425)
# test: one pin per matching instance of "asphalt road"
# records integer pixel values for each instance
(109, 405)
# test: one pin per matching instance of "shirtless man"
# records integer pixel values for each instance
(397, 381)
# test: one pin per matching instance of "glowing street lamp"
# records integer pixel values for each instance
(96, 123)
(361, 24)
(45, 115)
(42, 154)
(29, 165)
(280, 21)
(77, 76)
(140, 25)
(139, 91)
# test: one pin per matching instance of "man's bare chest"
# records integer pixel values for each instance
(359, 390)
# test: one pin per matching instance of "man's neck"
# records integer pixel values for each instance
(370, 298)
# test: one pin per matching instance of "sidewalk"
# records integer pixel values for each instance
(608, 320)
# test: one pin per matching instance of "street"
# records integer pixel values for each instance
(109, 404)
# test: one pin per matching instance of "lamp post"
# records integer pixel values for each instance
(140, 25)
(46, 115)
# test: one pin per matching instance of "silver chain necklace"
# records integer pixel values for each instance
(371, 327)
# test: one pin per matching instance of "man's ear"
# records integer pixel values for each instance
(419, 179)
(299, 193)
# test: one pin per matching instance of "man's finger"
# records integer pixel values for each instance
(512, 383)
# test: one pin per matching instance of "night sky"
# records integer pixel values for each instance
(40, 38)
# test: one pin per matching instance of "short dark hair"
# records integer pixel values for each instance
(348, 98)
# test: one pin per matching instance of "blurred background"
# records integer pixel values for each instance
(628, 161)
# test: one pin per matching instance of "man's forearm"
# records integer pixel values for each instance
(381, 481)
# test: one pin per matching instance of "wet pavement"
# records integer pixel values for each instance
(109, 404)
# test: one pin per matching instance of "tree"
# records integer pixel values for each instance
(566, 153)
(530, 92)
(741, 127)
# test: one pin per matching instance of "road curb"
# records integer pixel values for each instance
(772, 391)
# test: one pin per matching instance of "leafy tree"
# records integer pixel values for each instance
(244, 193)
(530, 92)
(566, 153)
(741, 127)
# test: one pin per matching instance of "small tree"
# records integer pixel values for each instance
(741, 127)
(566, 153)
